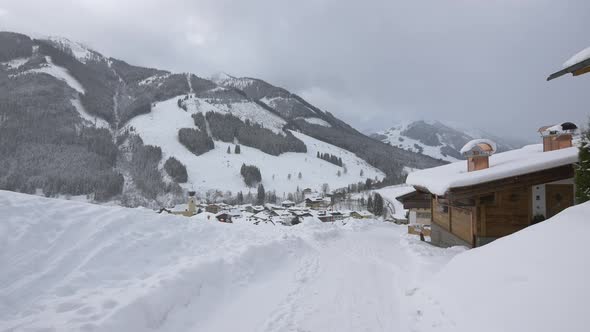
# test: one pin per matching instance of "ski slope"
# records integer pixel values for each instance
(72, 266)
(217, 169)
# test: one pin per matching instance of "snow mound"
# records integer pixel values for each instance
(577, 58)
(533, 280)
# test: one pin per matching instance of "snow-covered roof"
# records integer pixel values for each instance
(558, 129)
(577, 58)
(531, 158)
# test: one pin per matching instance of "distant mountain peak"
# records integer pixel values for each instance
(434, 138)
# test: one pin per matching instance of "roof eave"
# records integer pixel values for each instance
(577, 68)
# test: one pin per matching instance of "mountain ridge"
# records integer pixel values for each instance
(64, 97)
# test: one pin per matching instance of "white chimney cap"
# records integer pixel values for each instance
(479, 147)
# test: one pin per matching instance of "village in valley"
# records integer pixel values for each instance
(466, 203)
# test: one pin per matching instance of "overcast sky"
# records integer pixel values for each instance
(476, 63)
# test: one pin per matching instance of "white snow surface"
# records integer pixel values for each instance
(471, 144)
(81, 52)
(71, 266)
(217, 169)
(577, 58)
(317, 121)
(15, 63)
(389, 194)
(58, 72)
(533, 280)
(528, 159)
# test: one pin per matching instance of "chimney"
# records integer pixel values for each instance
(557, 136)
(192, 208)
(478, 154)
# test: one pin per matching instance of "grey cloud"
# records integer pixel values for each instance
(372, 63)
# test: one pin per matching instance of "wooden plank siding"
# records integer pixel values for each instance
(461, 223)
(441, 218)
(511, 212)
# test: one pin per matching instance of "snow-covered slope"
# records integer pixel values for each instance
(70, 266)
(217, 169)
(533, 280)
(81, 52)
(435, 139)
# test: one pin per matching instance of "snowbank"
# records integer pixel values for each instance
(528, 159)
(533, 280)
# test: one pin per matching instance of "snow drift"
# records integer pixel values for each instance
(533, 280)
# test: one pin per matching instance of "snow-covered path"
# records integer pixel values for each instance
(69, 266)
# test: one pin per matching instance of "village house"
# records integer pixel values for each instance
(287, 204)
(361, 215)
(492, 195)
(317, 203)
(213, 208)
(224, 217)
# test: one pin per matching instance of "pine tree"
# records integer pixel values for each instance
(378, 205)
(368, 184)
(582, 176)
(362, 173)
(228, 150)
(261, 195)
(240, 198)
(299, 175)
(370, 204)
(289, 176)
(237, 149)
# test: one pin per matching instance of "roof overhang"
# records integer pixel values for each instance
(578, 69)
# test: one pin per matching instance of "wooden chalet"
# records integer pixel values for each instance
(418, 205)
(474, 202)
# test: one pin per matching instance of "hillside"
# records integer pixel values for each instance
(436, 140)
(76, 122)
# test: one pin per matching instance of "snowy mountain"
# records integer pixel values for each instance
(436, 139)
(76, 122)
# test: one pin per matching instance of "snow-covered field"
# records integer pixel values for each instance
(71, 266)
(217, 169)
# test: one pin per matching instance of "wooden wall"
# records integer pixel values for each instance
(439, 217)
(510, 212)
(461, 223)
